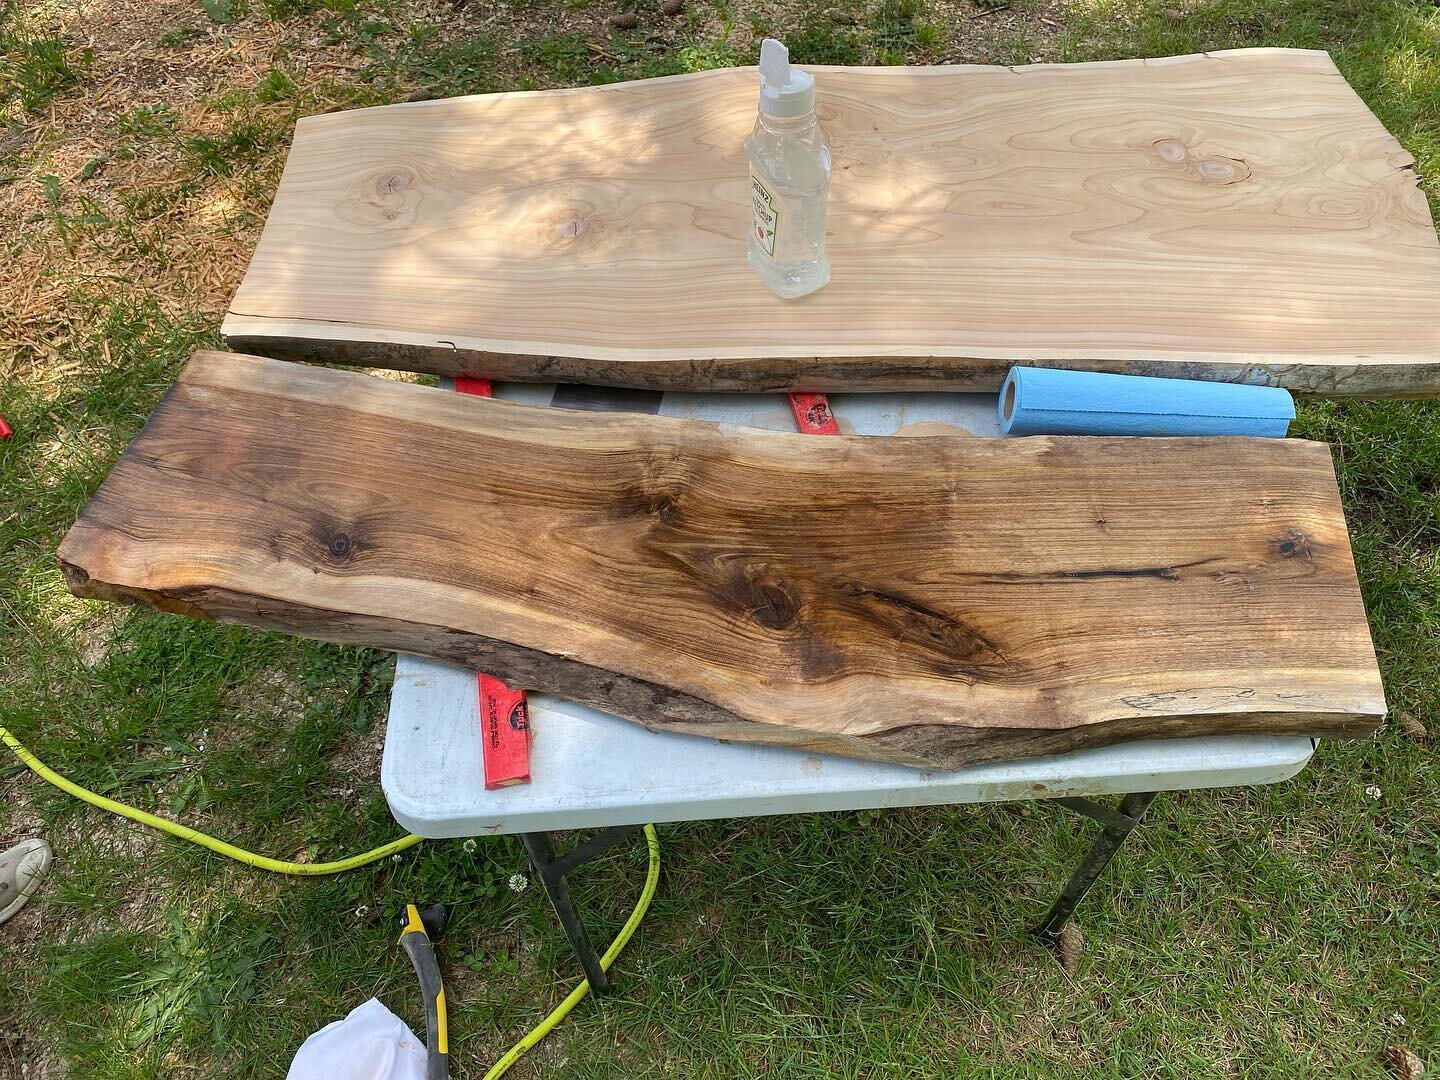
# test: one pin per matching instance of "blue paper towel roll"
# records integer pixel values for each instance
(1049, 401)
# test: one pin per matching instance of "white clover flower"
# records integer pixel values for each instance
(1373, 791)
(468, 846)
(519, 883)
(395, 857)
(362, 911)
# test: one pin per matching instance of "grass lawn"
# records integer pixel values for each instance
(1290, 931)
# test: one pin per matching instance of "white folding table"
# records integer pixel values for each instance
(432, 777)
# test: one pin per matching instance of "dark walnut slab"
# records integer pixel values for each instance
(936, 601)
(1228, 216)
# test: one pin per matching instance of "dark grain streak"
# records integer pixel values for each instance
(695, 579)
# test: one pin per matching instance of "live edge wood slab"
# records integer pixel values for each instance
(1235, 216)
(936, 602)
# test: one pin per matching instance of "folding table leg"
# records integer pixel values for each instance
(552, 870)
(1117, 825)
(542, 858)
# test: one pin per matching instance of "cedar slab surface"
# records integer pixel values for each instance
(937, 601)
(1235, 216)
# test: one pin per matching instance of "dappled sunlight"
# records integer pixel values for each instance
(1281, 930)
(1410, 70)
(38, 601)
(1120, 10)
(1129, 213)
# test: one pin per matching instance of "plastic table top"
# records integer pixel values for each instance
(590, 769)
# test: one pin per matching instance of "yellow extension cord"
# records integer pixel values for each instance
(652, 876)
(261, 862)
(279, 866)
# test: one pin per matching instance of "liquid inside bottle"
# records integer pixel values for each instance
(789, 180)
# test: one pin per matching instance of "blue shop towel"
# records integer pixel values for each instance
(1050, 401)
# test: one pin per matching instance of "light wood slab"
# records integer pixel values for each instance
(933, 601)
(1236, 215)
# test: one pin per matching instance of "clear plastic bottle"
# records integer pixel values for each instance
(789, 179)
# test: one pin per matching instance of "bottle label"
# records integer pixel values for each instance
(766, 209)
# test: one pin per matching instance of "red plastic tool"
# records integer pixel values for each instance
(504, 719)
(813, 415)
(5, 430)
(479, 387)
(505, 732)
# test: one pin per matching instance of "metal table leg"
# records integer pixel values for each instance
(551, 869)
(1118, 824)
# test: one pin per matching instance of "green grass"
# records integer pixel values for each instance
(887, 32)
(420, 58)
(36, 68)
(820, 40)
(1288, 931)
(178, 37)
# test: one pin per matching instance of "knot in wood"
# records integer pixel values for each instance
(1295, 544)
(1171, 150)
(1224, 170)
(391, 182)
(666, 509)
(389, 198)
(572, 226)
(767, 596)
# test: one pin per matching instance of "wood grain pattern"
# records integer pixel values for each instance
(933, 601)
(1237, 215)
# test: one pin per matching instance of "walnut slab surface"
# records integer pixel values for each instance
(934, 601)
(1238, 216)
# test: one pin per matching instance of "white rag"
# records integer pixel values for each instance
(372, 1043)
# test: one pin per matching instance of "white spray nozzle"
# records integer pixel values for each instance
(774, 62)
(784, 90)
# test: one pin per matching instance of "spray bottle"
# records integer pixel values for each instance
(789, 179)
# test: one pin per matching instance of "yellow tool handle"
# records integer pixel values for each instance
(416, 943)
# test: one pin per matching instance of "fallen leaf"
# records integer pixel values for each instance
(1403, 1062)
(1413, 727)
(1070, 947)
